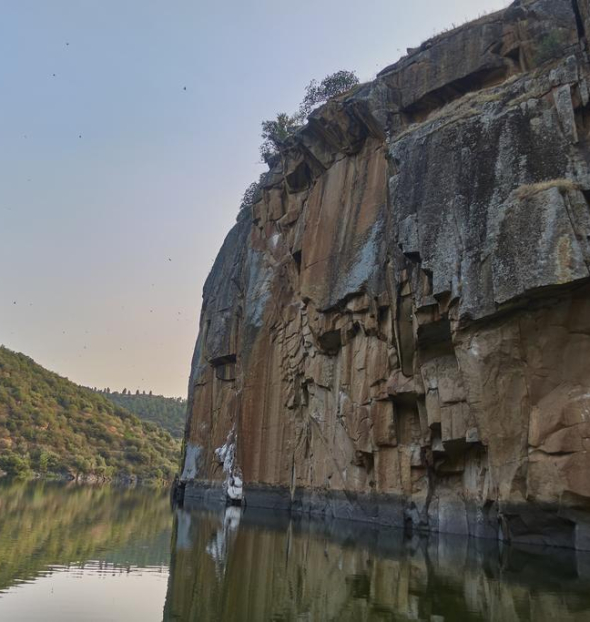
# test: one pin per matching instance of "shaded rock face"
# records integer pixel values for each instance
(399, 332)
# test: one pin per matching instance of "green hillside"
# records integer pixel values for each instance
(167, 412)
(50, 425)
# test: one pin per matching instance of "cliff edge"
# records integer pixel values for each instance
(399, 332)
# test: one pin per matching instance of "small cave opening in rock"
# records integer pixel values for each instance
(515, 55)
(365, 459)
(225, 367)
(435, 335)
(436, 99)
(407, 419)
(330, 342)
(300, 178)
(413, 256)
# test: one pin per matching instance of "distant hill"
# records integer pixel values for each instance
(167, 412)
(50, 425)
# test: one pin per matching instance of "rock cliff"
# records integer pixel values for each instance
(399, 332)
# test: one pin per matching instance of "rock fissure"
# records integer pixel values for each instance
(579, 20)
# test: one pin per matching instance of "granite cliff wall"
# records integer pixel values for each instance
(399, 331)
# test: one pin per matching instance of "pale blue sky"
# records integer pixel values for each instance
(117, 185)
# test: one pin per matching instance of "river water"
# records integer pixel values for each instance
(102, 553)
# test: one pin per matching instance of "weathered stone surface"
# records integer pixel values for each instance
(400, 332)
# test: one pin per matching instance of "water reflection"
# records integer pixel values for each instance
(102, 553)
(47, 524)
(255, 566)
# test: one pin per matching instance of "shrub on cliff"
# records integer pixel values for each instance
(331, 86)
(276, 131)
(251, 195)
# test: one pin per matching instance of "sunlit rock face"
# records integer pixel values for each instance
(399, 331)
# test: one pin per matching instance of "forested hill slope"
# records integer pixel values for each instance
(50, 425)
(167, 412)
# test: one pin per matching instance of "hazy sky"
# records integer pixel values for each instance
(117, 185)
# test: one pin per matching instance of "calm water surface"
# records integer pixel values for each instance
(84, 553)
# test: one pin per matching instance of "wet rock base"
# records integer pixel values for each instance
(517, 523)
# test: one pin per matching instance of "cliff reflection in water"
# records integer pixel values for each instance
(44, 525)
(253, 566)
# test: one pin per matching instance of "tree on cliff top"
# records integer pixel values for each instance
(276, 131)
(251, 194)
(331, 86)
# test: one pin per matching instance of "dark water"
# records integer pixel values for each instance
(104, 553)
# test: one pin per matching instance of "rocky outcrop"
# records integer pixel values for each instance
(399, 332)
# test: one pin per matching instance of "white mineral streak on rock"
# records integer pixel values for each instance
(473, 350)
(183, 540)
(220, 542)
(234, 488)
(274, 240)
(259, 289)
(226, 455)
(191, 462)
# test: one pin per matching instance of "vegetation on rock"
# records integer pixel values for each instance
(331, 86)
(251, 194)
(51, 426)
(275, 132)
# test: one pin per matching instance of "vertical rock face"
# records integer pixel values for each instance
(400, 330)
